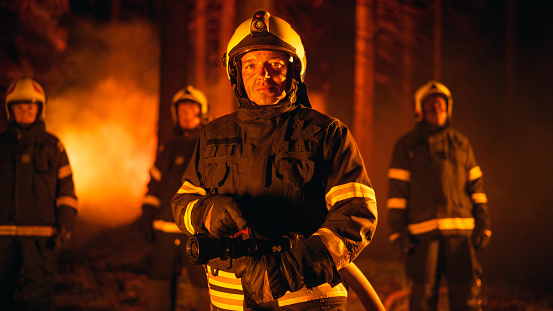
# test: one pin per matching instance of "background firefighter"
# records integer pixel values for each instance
(189, 110)
(437, 207)
(37, 200)
(279, 167)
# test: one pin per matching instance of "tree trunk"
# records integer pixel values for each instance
(406, 110)
(437, 39)
(174, 62)
(364, 77)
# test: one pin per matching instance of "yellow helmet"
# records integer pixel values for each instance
(264, 32)
(429, 88)
(26, 90)
(189, 93)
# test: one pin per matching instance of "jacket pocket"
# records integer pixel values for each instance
(216, 172)
(294, 165)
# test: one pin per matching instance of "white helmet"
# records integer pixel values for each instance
(264, 32)
(429, 88)
(189, 93)
(26, 90)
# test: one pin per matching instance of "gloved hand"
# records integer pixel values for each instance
(481, 233)
(147, 223)
(223, 218)
(480, 237)
(66, 223)
(405, 242)
(266, 278)
(63, 236)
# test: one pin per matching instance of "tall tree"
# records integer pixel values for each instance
(364, 76)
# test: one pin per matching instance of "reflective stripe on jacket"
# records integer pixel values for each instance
(435, 183)
(36, 181)
(166, 177)
(295, 169)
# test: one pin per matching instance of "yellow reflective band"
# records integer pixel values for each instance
(475, 173)
(479, 198)
(348, 191)
(64, 171)
(335, 247)
(218, 282)
(219, 303)
(67, 200)
(152, 200)
(233, 299)
(399, 174)
(398, 203)
(28, 231)
(155, 173)
(188, 217)
(166, 226)
(319, 292)
(189, 188)
(442, 224)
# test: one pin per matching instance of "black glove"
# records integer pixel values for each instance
(147, 223)
(266, 278)
(223, 217)
(63, 236)
(66, 223)
(480, 237)
(481, 233)
(405, 242)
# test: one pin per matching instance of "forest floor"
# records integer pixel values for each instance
(109, 273)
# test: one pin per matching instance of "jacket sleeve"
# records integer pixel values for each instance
(152, 199)
(475, 189)
(192, 203)
(399, 184)
(66, 200)
(352, 215)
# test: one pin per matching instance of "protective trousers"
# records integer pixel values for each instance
(449, 256)
(37, 257)
(169, 260)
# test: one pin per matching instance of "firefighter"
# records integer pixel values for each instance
(38, 205)
(437, 207)
(277, 167)
(189, 111)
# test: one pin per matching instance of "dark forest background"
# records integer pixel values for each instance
(365, 59)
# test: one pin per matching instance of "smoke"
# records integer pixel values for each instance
(105, 112)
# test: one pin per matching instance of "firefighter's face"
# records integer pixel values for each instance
(434, 109)
(25, 113)
(264, 76)
(188, 114)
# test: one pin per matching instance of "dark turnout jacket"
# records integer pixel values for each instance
(435, 184)
(292, 169)
(166, 178)
(37, 194)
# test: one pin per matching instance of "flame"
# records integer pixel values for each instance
(110, 141)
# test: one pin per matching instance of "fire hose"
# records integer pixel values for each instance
(200, 249)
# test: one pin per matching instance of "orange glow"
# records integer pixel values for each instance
(109, 132)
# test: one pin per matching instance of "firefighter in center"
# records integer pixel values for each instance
(277, 167)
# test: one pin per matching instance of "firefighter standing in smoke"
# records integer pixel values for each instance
(189, 110)
(437, 206)
(278, 167)
(37, 199)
